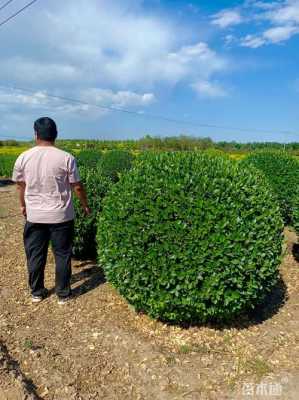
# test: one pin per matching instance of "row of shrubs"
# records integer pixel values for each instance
(189, 236)
(282, 172)
(98, 171)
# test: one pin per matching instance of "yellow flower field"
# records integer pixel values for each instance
(13, 150)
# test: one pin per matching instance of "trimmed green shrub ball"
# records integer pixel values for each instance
(282, 172)
(115, 162)
(97, 186)
(189, 237)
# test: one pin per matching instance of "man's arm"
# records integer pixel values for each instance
(19, 178)
(80, 192)
(21, 186)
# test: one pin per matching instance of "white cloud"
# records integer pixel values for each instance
(280, 33)
(273, 35)
(191, 61)
(252, 41)
(37, 101)
(127, 48)
(262, 4)
(119, 99)
(109, 52)
(227, 18)
(209, 89)
(282, 18)
(35, 71)
(111, 45)
(97, 97)
(286, 13)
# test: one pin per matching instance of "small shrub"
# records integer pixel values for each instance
(96, 185)
(282, 172)
(115, 162)
(28, 344)
(191, 237)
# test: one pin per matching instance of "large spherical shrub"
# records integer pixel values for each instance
(97, 186)
(191, 237)
(282, 172)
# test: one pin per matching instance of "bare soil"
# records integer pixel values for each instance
(97, 347)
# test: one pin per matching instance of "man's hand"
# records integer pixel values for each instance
(21, 186)
(87, 210)
(80, 192)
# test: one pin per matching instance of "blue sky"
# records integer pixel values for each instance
(225, 63)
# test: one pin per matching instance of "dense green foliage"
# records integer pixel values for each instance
(6, 165)
(98, 172)
(96, 186)
(89, 158)
(115, 162)
(282, 172)
(295, 212)
(191, 237)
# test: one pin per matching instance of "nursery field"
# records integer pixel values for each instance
(185, 282)
(97, 347)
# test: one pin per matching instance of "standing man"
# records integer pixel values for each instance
(45, 177)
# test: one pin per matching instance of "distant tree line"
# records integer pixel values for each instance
(170, 143)
(12, 143)
(177, 143)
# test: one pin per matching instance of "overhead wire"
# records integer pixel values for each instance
(5, 21)
(5, 4)
(148, 115)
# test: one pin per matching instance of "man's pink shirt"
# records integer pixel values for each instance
(48, 173)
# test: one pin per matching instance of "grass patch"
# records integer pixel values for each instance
(185, 349)
(258, 367)
(28, 344)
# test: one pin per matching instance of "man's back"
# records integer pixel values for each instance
(48, 173)
(45, 177)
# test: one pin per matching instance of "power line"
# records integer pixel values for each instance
(17, 13)
(6, 4)
(145, 115)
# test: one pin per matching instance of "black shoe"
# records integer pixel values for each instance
(45, 293)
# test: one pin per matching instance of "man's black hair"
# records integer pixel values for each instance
(45, 129)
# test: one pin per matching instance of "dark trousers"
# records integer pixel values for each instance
(36, 241)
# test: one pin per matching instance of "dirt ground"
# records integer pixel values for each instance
(97, 347)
